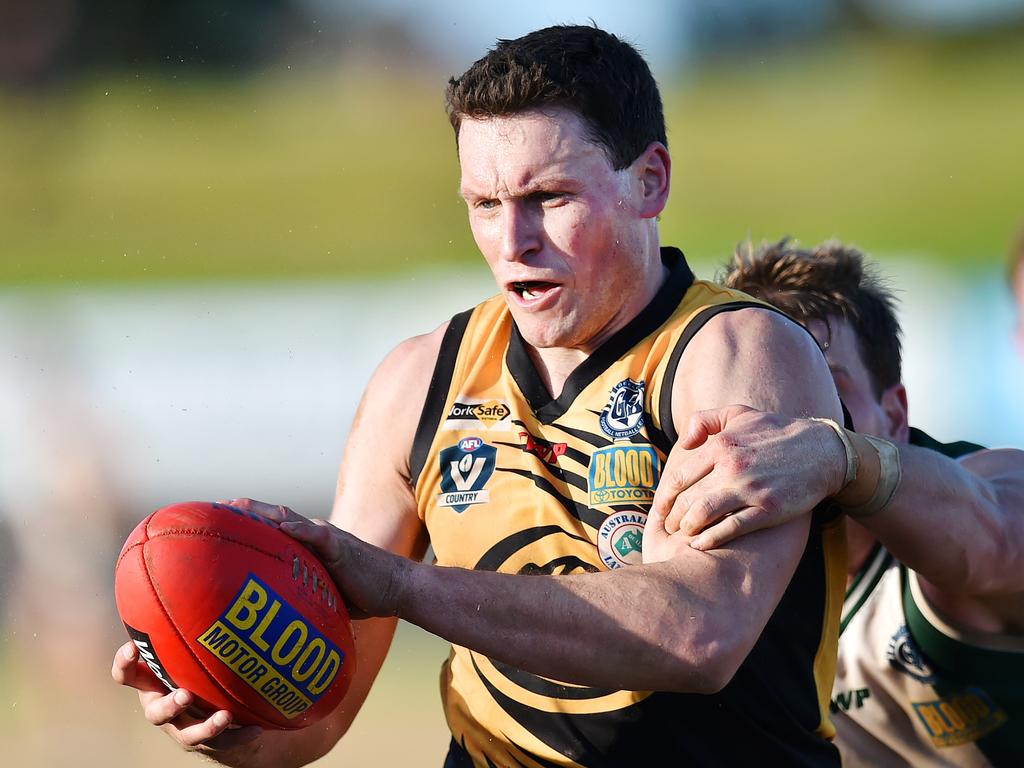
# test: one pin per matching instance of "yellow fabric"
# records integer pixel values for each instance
(543, 502)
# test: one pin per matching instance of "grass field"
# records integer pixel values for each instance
(899, 146)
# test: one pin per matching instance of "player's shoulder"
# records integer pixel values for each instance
(419, 354)
(416, 353)
(756, 328)
(399, 384)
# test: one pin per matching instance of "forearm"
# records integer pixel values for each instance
(958, 529)
(634, 628)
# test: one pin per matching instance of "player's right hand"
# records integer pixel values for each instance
(171, 709)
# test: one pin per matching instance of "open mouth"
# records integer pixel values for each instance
(532, 289)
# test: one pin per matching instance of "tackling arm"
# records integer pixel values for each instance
(958, 523)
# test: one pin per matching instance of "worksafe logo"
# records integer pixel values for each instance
(471, 414)
(274, 649)
(465, 470)
(622, 474)
(620, 539)
(623, 417)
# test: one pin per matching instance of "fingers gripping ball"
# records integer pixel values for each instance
(222, 603)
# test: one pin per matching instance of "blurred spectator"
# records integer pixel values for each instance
(44, 39)
(33, 38)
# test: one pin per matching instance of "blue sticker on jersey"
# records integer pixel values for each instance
(465, 470)
(623, 417)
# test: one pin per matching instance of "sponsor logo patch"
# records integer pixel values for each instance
(542, 449)
(470, 414)
(623, 417)
(963, 717)
(148, 654)
(620, 539)
(269, 644)
(465, 470)
(906, 657)
(844, 701)
(622, 474)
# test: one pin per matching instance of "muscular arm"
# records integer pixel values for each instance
(958, 523)
(684, 620)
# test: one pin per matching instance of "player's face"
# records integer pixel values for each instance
(884, 417)
(565, 234)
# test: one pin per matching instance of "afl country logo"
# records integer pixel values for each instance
(465, 470)
(620, 539)
(905, 656)
(624, 415)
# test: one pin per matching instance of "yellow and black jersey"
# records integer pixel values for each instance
(508, 479)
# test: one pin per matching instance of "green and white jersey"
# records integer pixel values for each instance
(911, 688)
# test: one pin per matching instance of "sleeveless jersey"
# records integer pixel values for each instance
(910, 688)
(508, 479)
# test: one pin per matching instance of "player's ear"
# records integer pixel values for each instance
(894, 406)
(654, 170)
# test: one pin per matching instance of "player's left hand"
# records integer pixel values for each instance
(737, 470)
(368, 577)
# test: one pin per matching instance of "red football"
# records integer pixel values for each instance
(222, 603)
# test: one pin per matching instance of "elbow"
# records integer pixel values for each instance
(704, 667)
(718, 671)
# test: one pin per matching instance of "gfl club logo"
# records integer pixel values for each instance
(465, 470)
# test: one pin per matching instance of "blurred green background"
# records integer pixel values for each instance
(904, 145)
(215, 217)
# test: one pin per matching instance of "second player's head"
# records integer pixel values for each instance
(834, 291)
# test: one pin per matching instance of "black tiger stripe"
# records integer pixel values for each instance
(581, 512)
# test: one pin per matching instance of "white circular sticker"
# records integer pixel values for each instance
(621, 538)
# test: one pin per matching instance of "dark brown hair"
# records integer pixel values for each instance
(584, 69)
(831, 280)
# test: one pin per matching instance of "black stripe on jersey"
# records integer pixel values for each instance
(658, 438)
(558, 732)
(698, 322)
(583, 513)
(458, 757)
(652, 317)
(541, 685)
(496, 556)
(437, 393)
(592, 438)
(558, 472)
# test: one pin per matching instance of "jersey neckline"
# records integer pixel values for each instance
(648, 320)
